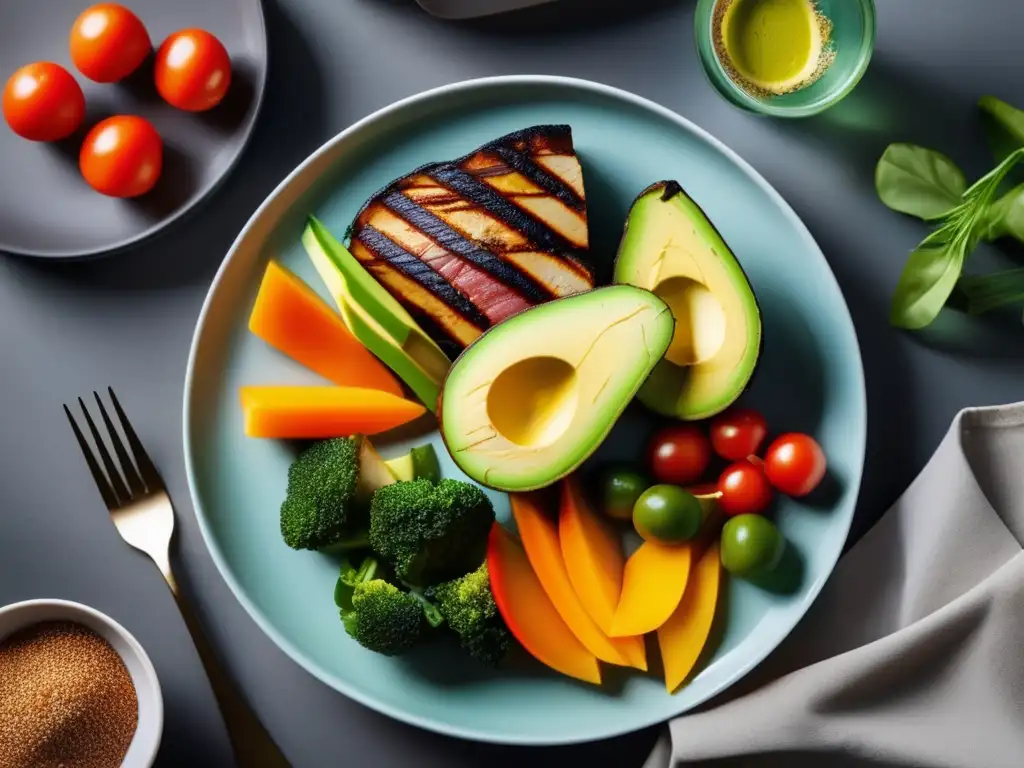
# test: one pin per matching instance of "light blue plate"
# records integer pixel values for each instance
(810, 379)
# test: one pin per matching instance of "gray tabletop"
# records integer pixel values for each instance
(127, 320)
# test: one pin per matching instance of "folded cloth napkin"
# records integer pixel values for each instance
(913, 655)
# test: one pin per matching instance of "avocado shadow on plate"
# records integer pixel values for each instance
(606, 212)
(420, 429)
(787, 578)
(788, 386)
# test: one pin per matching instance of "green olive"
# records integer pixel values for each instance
(751, 545)
(667, 514)
(620, 488)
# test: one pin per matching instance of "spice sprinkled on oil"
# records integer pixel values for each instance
(772, 47)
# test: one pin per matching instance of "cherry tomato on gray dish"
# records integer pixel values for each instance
(745, 488)
(795, 464)
(738, 433)
(679, 454)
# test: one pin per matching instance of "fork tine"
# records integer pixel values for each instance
(115, 477)
(97, 474)
(127, 466)
(146, 467)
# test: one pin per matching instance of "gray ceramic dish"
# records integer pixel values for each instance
(46, 209)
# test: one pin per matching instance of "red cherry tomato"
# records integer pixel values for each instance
(108, 42)
(122, 156)
(43, 102)
(745, 489)
(795, 464)
(679, 455)
(738, 433)
(193, 70)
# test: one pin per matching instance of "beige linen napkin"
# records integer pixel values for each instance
(913, 655)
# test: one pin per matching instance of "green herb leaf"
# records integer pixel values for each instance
(987, 292)
(1004, 126)
(932, 271)
(918, 181)
(343, 595)
(1005, 217)
(927, 280)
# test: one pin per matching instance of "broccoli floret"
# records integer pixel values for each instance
(326, 501)
(430, 533)
(384, 618)
(468, 605)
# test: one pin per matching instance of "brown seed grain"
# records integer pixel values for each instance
(66, 699)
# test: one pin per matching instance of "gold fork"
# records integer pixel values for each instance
(143, 514)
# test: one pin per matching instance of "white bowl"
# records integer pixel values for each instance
(142, 751)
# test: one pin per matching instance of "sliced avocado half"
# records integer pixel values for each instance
(671, 248)
(527, 402)
(375, 317)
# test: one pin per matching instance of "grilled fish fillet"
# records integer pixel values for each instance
(465, 244)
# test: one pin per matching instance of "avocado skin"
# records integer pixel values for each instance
(669, 188)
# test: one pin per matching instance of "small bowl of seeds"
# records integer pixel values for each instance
(76, 689)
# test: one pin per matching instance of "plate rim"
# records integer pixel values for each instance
(160, 227)
(463, 86)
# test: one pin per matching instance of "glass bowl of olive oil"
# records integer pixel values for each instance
(786, 58)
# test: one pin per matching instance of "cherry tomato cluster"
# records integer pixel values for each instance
(122, 156)
(793, 464)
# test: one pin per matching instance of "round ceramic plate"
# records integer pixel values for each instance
(49, 211)
(810, 379)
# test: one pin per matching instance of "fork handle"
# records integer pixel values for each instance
(252, 745)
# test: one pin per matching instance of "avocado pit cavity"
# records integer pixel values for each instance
(532, 402)
(700, 320)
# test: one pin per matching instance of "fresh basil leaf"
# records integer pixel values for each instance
(933, 269)
(987, 292)
(918, 181)
(928, 278)
(1004, 126)
(1005, 217)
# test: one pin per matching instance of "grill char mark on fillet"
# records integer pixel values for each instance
(488, 235)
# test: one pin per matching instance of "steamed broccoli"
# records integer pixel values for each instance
(384, 618)
(376, 613)
(327, 500)
(468, 605)
(430, 533)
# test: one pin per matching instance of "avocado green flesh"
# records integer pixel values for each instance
(375, 317)
(419, 464)
(670, 247)
(533, 397)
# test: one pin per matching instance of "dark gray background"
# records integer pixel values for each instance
(127, 320)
